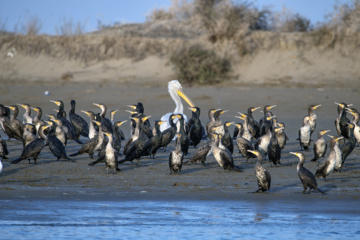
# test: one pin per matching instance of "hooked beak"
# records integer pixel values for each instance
(186, 98)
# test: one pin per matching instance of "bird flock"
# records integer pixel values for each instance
(263, 139)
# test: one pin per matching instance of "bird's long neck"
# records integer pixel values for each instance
(179, 107)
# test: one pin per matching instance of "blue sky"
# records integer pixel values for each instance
(87, 12)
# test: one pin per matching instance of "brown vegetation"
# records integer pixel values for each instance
(227, 33)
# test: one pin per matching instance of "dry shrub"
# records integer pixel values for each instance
(197, 65)
(32, 25)
(287, 21)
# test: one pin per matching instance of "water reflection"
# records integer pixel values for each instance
(171, 220)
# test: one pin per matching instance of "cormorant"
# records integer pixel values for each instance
(136, 148)
(265, 122)
(56, 146)
(201, 153)
(61, 115)
(3, 148)
(93, 144)
(262, 174)
(211, 121)
(312, 120)
(27, 113)
(176, 157)
(111, 156)
(244, 145)
(80, 125)
(154, 143)
(305, 136)
(16, 125)
(281, 135)
(196, 130)
(105, 122)
(262, 142)
(92, 129)
(176, 91)
(169, 133)
(342, 121)
(117, 135)
(253, 125)
(306, 177)
(37, 119)
(274, 149)
(185, 140)
(347, 147)
(222, 155)
(29, 134)
(320, 146)
(227, 140)
(246, 133)
(355, 121)
(34, 148)
(328, 164)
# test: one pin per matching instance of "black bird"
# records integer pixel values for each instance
(3, 149)
(105, 122)
(253, 125)
(274, 149)
(245, 131)
(328, 164)
(307, 178)
(265, 122)
(59, 130)
(136, 148)
(355, 121)
(227, 140)
(262, 142)
(244, 145)
(281, 135)
(117, 135)
(320, 146)
(184, 140)
(16, 125)
(348, 146)
(92, 145)
(80, 125)
(262, 174)
(222, 155)
(56, 146)
(153, 144)
(196, 130)
(71, 134)
(342, 121)
(169, 133)
(211, 121)
(92, 128)
(201, 153)
(176, 157)
(29, 134)
(34, 148)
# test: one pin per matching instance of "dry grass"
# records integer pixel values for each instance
(224, 30)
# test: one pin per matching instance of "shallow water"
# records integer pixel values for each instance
(177, 220)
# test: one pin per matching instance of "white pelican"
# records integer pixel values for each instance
(175, 91)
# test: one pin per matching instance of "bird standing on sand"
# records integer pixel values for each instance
(34, 148)
(263, 176)
(222, 155)
(305, 136)
(311, 117)
(306, 177)
(320, 145)
(196, 130)
(176, 157)
(328, 164)
(80, 125)
(154, 143)
(176, 91)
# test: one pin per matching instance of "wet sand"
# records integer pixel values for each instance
(62, 180)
